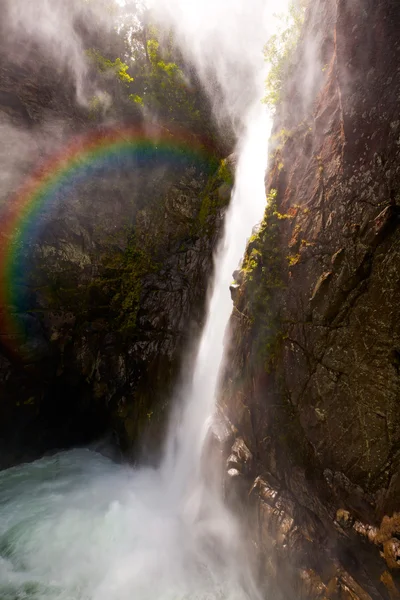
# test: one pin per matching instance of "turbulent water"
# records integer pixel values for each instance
(77, 526)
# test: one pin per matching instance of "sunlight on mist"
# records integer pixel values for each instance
(82, 526)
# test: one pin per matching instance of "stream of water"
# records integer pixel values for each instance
(76, 526)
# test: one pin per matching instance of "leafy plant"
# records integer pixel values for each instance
(119, 285)
(105, 65)
(279, 51)
(152, 72)
(263, 268)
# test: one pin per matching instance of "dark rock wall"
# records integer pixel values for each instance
(312, 386)
(91, 363)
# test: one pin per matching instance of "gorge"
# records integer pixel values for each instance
(156, 443)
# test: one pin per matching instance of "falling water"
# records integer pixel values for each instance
(75, 526)
(187, 437)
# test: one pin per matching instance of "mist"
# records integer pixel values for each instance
(54, 27)
(171, 534)
(225, 41)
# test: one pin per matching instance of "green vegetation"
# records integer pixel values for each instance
(139, 68)
(165, 87)
(136, 99)
(105, 65)
(263, 269)
(115, 293)
(120, 283)
(279, 139)
(153, 75)
(279, 52)
(212, 198)
(225, 172)
(293, 259)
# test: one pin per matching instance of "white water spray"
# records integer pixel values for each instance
(78, 527)
(186, 440)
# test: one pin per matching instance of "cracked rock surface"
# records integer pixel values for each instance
(312, 383)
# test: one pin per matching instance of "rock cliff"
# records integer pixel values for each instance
(110, 285)
(312, 383)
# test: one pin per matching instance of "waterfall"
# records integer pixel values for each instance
(189, 429)
(75, 526)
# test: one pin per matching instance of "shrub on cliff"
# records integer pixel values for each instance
(279, 51)
(144, 58)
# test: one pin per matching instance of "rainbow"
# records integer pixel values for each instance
(83, 158)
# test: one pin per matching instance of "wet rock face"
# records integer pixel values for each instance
(85, 369)
(317, 402)
(113, 283)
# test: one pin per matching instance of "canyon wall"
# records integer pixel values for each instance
(111, 281)
(312, 383)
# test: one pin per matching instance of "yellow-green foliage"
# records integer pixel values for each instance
(121, 282)
(105, 65)
(165, 88)
(225, 172)
(212, 201)
(293, 259)
(282, 216)
(155, 77)
(263, 267)
(159, 83)
(281, 137)
(264, 240)
(279, 51)
(136, 99)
